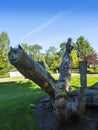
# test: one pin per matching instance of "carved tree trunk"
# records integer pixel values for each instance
(32, 70)
(68, 106)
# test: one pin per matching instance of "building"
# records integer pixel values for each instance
(15, 73)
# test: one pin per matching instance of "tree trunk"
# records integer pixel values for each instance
(67, 105)
(90, 95)
(32, 70)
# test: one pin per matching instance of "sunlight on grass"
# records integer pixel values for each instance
(12, 79)
(17, 99)
(18, 96)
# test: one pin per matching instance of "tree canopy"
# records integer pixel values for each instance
(83, 47)
(52, 57)
(62, 48)
(4, 48)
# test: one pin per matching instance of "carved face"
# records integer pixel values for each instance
(15, 54)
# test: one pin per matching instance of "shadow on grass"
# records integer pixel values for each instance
(20, 89)
(23, 84)
(17, 99)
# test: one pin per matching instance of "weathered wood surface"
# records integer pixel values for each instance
(90, 95)
(68, 106)
(32, 70)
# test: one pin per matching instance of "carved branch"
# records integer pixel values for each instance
(32, 70)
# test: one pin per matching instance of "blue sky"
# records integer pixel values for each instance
(49, 22)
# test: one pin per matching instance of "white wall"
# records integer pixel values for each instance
(15, 74)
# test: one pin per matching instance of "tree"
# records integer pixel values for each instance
(52, 59)
(25, 47)
(51, 50)
(62, 48)
(35, 51)
(92, 60)
(83, 47)
(74, 59)
(4, 48)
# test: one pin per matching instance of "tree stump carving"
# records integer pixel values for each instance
(68, 105)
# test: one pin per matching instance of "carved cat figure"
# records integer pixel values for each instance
(15, 54)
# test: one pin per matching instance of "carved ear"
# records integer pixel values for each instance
(19, 47)
(11, 48)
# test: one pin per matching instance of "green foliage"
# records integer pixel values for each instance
(62, 48)
(52, 59)
(83, 47)
(74, 59)
(90, 70)
(25, 46)
(35, 51)
(4, 48)
(96, 69)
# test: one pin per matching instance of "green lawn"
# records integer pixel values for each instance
(19, 96)
(17, 100)
(91, 79)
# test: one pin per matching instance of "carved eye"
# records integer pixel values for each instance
(15, 52)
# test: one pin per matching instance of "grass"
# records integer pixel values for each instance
(17, 100)
(19, 96)
(75, 79)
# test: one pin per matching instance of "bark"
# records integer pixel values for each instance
(32, 70)
(68, 106)
(90, 95)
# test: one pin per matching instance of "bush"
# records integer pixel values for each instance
(90, 70)
(96, 69)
